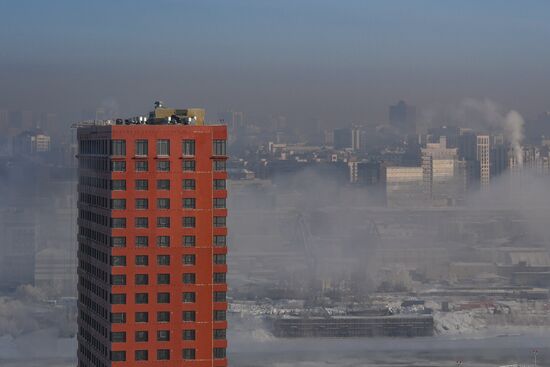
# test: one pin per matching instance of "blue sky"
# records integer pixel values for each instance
(231, 52)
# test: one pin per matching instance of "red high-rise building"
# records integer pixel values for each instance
(152, 241)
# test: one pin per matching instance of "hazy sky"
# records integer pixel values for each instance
(335, 60)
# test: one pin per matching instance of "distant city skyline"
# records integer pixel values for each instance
(301, 59)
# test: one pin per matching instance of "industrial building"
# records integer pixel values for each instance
(152, 241)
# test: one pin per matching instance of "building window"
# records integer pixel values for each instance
(142, 222)
(219, 353)
(188, 297)
(188, 147)
(142, 166)
(219, 147)
(189, 241)
(189, 184)
(118, 241)
(189, 353)
(189, 259)
(141, 355)
(142, 241)
(142, 335)
(163, 166)
(219, 221)
(189, 203)
(219, 203)
(142, 204)
(188, 334)
(219, 166)
(118, 260)
(142, 298)
(163, 316)
(163, 297)
(118, 318)
(142, 260)
(142, 317)
(163, 222)
(189, 222)
(163, 259)
(118, 222)
(118, 147)
(219, 259)
(163, 354)
(118, 337)
(163, 147)
(220, 241)
(188, 165)
(142, 185)
(163, 203)
(142, 279)
(118, 299)
(118, 204)
(163, 241)
(220, 334)
(141, 148)
(118, 356)
(220, 315)
(219, 184)
(118, 166)
(163, 335)
(118, 185)
(118, 279)
(163, 184)
(220, 297)
(188, 316)
(163, 278)
(189, 278)
(219, 278)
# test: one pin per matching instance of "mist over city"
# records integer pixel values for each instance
(290, 183)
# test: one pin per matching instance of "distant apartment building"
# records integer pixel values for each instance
(17, 262)
(152, 241)
(356, 139)
(31, 142)
(342, 138)
(405, 187)
(403, 117)
(483, 155)
(442, 173)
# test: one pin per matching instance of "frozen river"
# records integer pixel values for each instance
(256, 351)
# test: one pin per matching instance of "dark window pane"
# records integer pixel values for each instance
(188, 334)
(163, 166)
(142, 298)
(142, 279)
(142, 336)
(188, 147)
(142, 317)
(141, 147)
(119, 279)
(118, 356)
(219, 147)
(163, 147)
(163, 184)
(189, 241)
(142, 204)
(142, 166)
(141, 355)
(142, 241)
(188, 353)
(118, 337)
(189, 165)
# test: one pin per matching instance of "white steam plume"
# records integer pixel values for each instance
(486, 113)
(514, 132)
